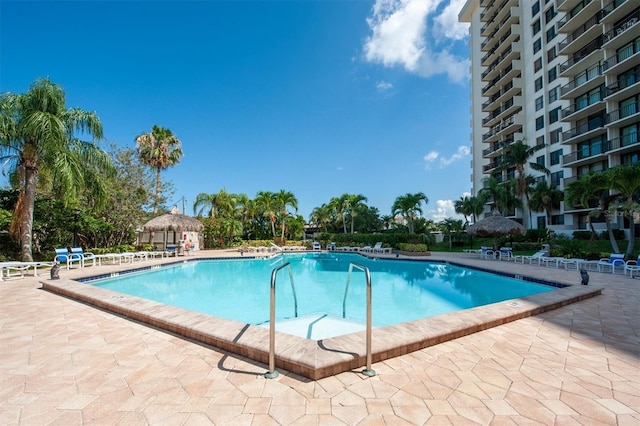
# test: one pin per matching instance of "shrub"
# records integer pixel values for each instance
(582, 235)
(618, 234)
(413, 248)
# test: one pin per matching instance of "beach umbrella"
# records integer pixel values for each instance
(496, 226)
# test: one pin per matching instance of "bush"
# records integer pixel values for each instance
(582, 235)
(618, 234)
(413, 248)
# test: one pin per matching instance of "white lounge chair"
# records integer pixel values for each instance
(616, 259)
(534, 258)
(377, 248)
(316, 246)
(632, 266)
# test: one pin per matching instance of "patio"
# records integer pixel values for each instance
(63, 362)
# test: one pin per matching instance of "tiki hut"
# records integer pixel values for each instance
(496, 226)
(172, 229)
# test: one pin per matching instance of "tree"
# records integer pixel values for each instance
(593, 187)
(284, 199)
(546, 198)
(625, 181)
(221, 204)
(451, 227)
(37, 138)
(267, 206)
(499, 194)
(408, 206)
(159, 149)
(320, 217)
(518, 157)
(338, 208)
(351, 202)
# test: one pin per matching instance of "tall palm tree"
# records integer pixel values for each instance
(221, 204)
(267, 206)
(496, 192)
(352, 202)
(593, 187)
(463, 206)
(321, 216)
(283, 200)
(546, 198)
(159, 149)
(37, 137)
(338, 208)
(408, 206)
(518, 157)
(625, 181)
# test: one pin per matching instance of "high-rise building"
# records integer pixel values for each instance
(560, 73)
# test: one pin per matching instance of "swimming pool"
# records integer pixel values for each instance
(402, 290)
(315, 359)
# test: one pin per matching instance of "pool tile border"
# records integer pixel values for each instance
(318, 359)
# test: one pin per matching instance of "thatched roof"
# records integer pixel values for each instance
(173, 222)
(496, 226)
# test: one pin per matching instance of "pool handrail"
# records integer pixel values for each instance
(368, 371)
(273, 373)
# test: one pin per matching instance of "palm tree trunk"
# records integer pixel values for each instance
(157, 197)
(26, 218)
(632, 235)
(352, 223)
(612, 238)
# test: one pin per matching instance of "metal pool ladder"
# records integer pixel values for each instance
(368, 371)
(273, 373)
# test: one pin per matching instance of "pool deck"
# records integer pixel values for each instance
(64, 362)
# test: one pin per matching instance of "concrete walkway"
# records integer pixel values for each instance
(62, 362)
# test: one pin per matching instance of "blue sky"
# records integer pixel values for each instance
(319, 98)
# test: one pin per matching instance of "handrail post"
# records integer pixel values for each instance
(273, 373)
(368, 371)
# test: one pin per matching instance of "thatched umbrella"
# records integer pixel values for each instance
(175, 222)
(496, 226)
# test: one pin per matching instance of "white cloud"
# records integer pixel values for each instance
(400, 37)
(444, 209)
(433, 157)
(383, 86)
(447, 25)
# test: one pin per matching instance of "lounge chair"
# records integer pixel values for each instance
(63, 256)
(536, 257)
(331, 246)
(632, 266)
(487, 253)
(616, 259)
(12, 270)
(84, 255)
(505, 253)
(316, 246)
(379, 249)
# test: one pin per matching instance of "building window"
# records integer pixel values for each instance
(537, 45)
(629, 134)
(555, 178)
(538, 83)
(553, 94)
(539, 103)
(629, 106)
(630, 159)
(554, 157)
(551, 34)
(542, 222)
(549, 14)
(557, 219)
(540, 160)
(536, 27)
(540, 140)
(535, 8)
(540, 122)
(511, 173)
(537, 65)
(555, 135)
(554, 115)
(552, 74)
(551, 54)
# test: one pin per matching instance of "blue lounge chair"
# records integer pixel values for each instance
(316, 246)
(616, 259)
(63, 256)
(84, 255)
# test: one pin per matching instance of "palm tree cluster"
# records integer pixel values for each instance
(268, 215)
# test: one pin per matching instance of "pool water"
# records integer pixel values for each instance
(401, 290)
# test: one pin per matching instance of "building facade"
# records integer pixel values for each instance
(560, 73)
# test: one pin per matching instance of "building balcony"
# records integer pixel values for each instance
(502, 16)
(508, 108)
(496, 131)
(586, 58)
(623, 33)
(577, 112)
(491, 166)
(615, 10)
(624, 59)
(585, 81)
(584, 131)
(578, 158)
(624, 143)
(566, 5)
(505, 92)
(580, 36)
(623, 88)
(510, 72)
(625, 115)
(570, 22)
(511, 36)
(508, 55)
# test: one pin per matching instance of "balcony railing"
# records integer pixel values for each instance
(499, 127)
(594, 45)
(582, 155)
(624, 82)
(495, 80)
(590, 74)
(569, 16)
(594, 20)
(497, 45)
(624, 112)
(621, 55)
(496, 112)
(499, 93)
(630, 22)
(495, 63)
(584, 128)
(592, 100)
